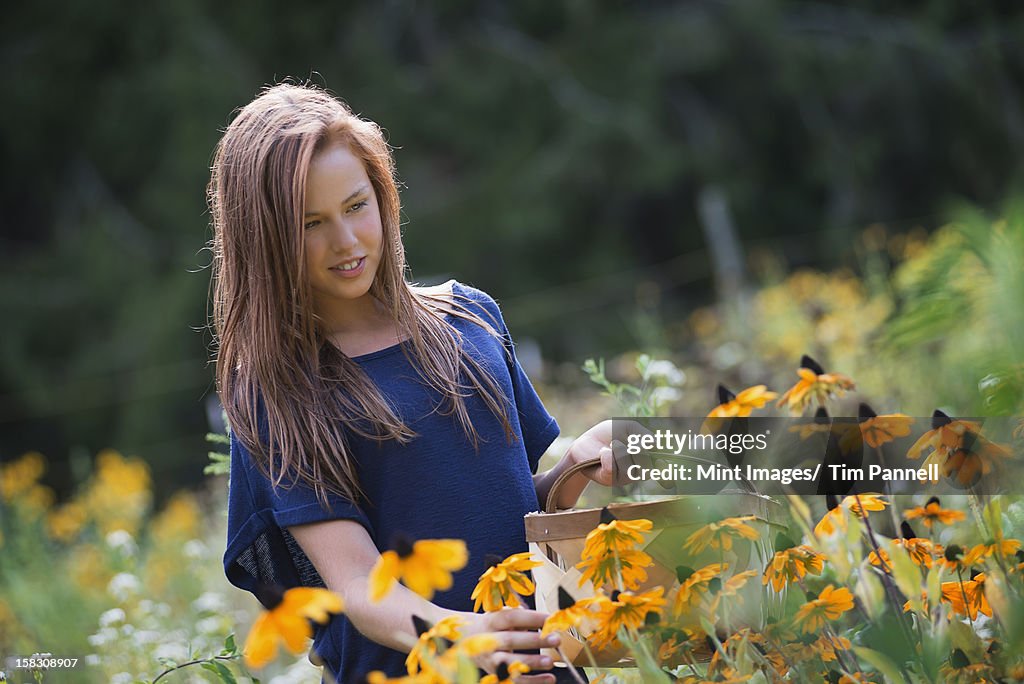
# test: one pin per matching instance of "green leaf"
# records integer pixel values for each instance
(906, 575)
(229, 645)
(880, 662)
(220, 670)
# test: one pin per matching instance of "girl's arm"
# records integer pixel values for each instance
(594, 444)
(343, 553)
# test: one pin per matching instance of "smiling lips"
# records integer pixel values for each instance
(351, 268)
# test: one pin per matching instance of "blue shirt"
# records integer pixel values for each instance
(435, 486)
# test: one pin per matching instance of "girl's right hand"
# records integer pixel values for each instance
(516, 629)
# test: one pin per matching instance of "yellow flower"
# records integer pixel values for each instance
(959, 670)
(791, 565)
(506, 673)
(878, 430)
(830, 605)
(181, 519)
(835, 519)
(814, 385)
(731, 587)
(967, 597)
(959, 448)
(693, 584)
(18, 477)
(1002, 547)
(823, 647)
(431, 640)
(932, 513)
(613, 534)
(921, 551)
(287, 619)
(66, 522)
(718, 535)
(623, 610)
(570, 613)
(740, 405)
(603, 569)
(424, 566)
(503, 583)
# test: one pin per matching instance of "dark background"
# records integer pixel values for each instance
(553, 154)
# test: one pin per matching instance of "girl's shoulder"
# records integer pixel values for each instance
(460, 296)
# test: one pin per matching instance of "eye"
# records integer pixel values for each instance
(357, 206)
(312, 224)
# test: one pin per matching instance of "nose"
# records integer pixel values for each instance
(343, 236)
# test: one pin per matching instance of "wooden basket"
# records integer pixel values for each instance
(557, 539)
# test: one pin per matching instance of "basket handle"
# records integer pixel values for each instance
(552, 500)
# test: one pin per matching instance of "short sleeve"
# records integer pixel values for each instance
(539, 428)
(260, 550)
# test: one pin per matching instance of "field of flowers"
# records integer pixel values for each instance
(923, 326)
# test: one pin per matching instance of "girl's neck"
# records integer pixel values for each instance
(359, 327)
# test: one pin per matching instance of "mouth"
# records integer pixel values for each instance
(350, 265)
(350, 268)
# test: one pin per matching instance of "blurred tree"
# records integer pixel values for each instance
(552, 153)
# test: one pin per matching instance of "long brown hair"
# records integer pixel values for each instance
(290, 394)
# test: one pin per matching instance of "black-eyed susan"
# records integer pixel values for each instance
(967, 597)
(822, 646)
(959, 669)
(623, 610)
(945, 434)
(433, 640)
(741, 405)
(792, 565)
(693, 585)
(628, 565)
(424, 566)
(922, 552)
(814, 385)
(830, 605)
(819, 423)
(286, 620)
(719, 535)
(1001, 547)
(953, 559)
(506, 673)
(504, 582)
(835, 519)
(933, 512)
(613, 534)
(569, 615)
(877, 430)
(731, 588)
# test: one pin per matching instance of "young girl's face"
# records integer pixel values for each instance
(342, 231)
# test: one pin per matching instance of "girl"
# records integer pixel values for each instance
(362, 406)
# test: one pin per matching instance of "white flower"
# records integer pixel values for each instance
(122, 541)
(210, 625)
(665, 395)
(209, 602)
(92, 659)
(127, 630)
(102, 637)
(122, 678)
(112, 616)
(162, 609)
(172, 650)
(665, 370)
(123, 586)
(194, 549)
(148, 636)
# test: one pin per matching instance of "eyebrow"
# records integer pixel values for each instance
(360, 190)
